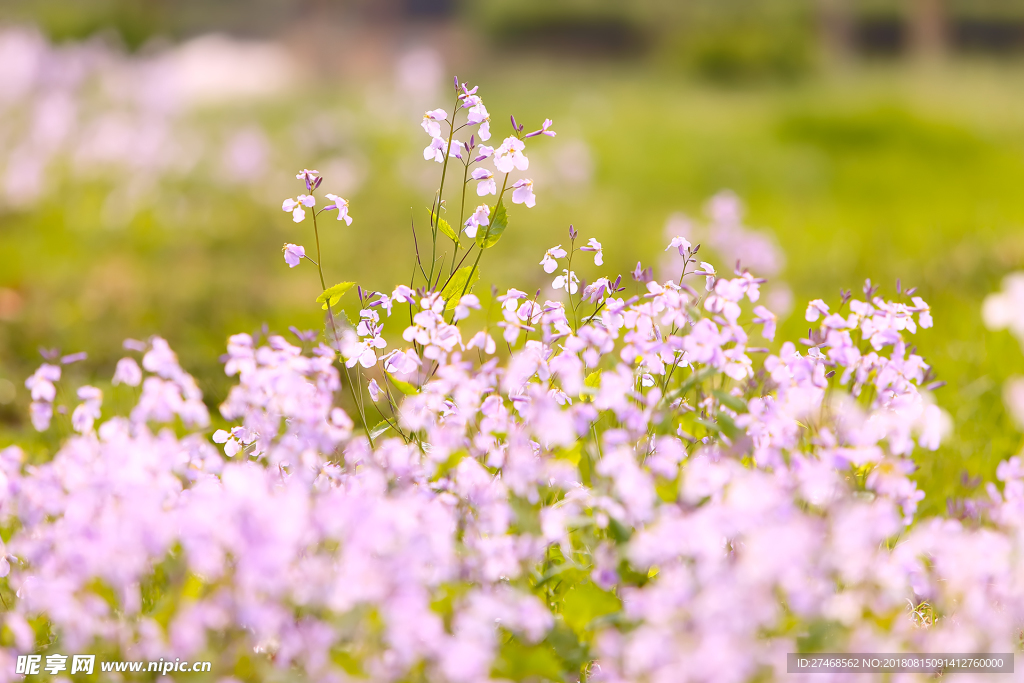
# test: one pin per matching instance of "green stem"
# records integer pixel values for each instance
(334, 326)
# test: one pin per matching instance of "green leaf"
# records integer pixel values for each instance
(519, 662)
(445, 227)
(381, 427)
(404, 387)
(696, 378)
(586, 602)
(488, 235)
(566, 646)
(334, 294)
(453, 291)
(730, 401)
(728, 426)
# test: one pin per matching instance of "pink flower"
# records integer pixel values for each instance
(341, 205)
(680, 243)
(482, 152)
(595, 246)
(479, 217)
(477, 115)
(127, 372)
(486, 185)
(87, 412)
(293, 253)
(311, 178)
(432, 122)
(766, 318)
(510, 155)
(295, 206)
(41, 383)
(508, 300)
(815, 309)
(708, 270)
(550, 255)
(522, 193)
(436, 150)
(483, 341)
(465, 303)
(543, 130)
(567, 281)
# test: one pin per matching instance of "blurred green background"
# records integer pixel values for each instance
(144, 162)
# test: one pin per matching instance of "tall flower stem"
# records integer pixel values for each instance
(334, 326)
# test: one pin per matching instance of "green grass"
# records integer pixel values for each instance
(873, 172)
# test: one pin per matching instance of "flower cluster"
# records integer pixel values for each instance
(626, 487)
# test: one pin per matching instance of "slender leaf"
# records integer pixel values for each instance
(488, 235)
(730, 401)
(334, 294)
(445, 227)
(459, 283)
(404, 387)
(381, 427)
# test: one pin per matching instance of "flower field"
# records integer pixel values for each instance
(527, 436)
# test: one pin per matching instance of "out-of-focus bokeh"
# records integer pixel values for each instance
(146, 145)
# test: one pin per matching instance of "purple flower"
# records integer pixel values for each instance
(479, 217)
(432, 122)
(436, 150)
(543, 130)
(765, 317)
(127, 372)
(815, 309)
(293, 254)
(486, 185)
(310, 178)
(341, 205)
(295, 206)
(549, 262)
(679, 243)
(595, 246)
(510, 156)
